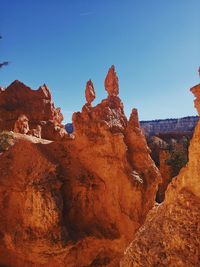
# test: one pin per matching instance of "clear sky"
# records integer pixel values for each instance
(154, 45)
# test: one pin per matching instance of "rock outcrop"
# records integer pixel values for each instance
(37, 105)
(111, 82)
(77, 203)
(89, 92)
(21, 125)
(170, 235)
(196, 91)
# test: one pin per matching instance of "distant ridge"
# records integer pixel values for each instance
(168, 119)
(164, 126)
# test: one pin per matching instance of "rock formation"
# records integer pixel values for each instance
(77, 203)
(196, 91)
(18, 99)
(21, 125)
(36, 132)
(89, 92)
(170, 235)
(182, 126)
(111, 82)
(139, 157)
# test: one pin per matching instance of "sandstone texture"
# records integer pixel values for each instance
(111, 82)
(89, 92)
(77, 202)
(196, 91)
(18, 100)
(170, 234)
(21, 125)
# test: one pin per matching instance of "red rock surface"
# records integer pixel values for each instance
(196, 91)
(141, 162)
(21, 125)
(89, 92)
(37, 105)
(76, 203)
(170, 235)
(111, 82)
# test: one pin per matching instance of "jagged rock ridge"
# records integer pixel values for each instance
(79, 201)
(37, 105)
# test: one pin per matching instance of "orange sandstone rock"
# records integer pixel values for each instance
(36, 132)
(79, 202)
(36, 105)
(111, 82)
(89, 92)
(170, 235)
(196, 91)
(21, 125)
(139, 157)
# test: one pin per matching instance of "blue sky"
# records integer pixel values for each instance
(154, 45)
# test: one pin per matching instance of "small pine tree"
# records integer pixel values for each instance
(178, 159)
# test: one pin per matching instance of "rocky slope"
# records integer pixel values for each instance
(76, 202)
(30, 111)
(170, 235)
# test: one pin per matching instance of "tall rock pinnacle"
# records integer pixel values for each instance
(89, 92)
(111, 82)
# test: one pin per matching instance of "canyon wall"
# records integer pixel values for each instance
(182, 126)
(170, 235)
(76, 202)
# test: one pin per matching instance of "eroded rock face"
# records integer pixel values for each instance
(139, 157)
(37, 105)
(181, 126)
(111, 82)
(196, 91)
(166, 174)
(89, 92)
(77, 203)
(21, 125)
(170, 235)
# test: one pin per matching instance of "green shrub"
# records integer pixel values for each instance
(177, 160)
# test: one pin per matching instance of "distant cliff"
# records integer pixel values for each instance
(178, 126)
(167, 126)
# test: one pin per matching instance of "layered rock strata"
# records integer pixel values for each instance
(181, 126)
